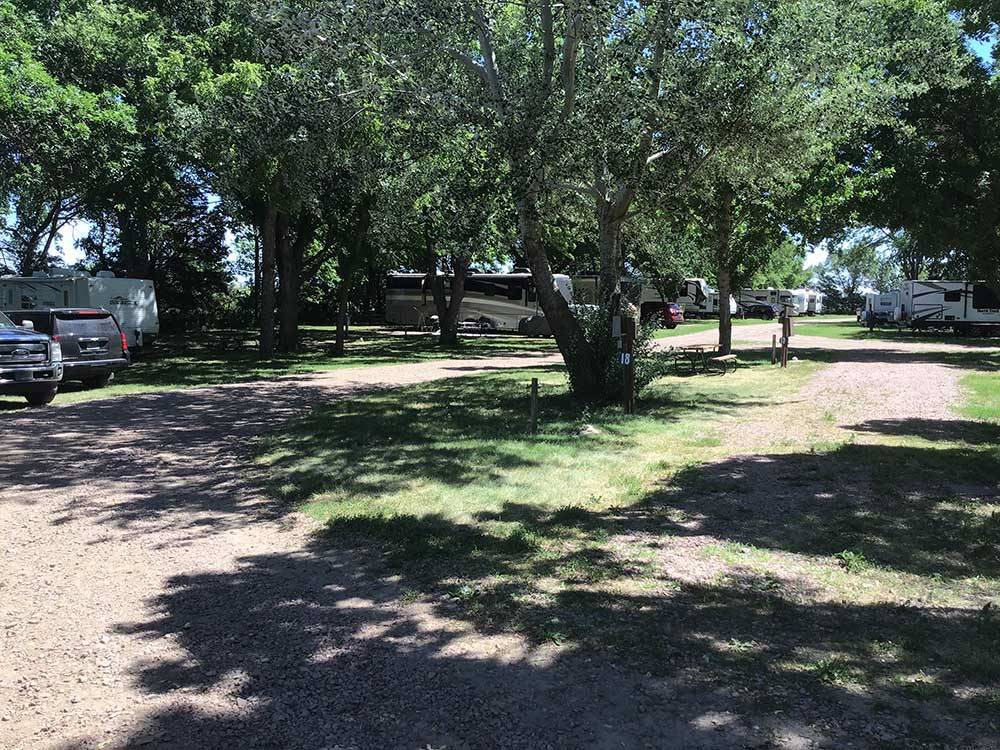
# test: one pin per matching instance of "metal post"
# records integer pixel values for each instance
(628, 341)
(534, 405)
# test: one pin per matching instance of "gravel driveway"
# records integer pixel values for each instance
(152, 596)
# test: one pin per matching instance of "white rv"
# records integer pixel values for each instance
(496, 301)
(132, 301)
(795, 302)
(816, 300)
(699, 300)
(882, 304)
(965, 306)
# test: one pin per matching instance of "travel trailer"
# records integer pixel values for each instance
(816, 300)
(796, 302)
(496, 301)
(883, 304)
(132, 301)
(965, 306)
(700, 300)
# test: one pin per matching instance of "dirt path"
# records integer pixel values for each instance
(151, 595)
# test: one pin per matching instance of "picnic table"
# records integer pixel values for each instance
(696, 355)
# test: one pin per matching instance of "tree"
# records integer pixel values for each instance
(864, 262)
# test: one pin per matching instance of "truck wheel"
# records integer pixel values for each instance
(98, 382)
(41, 398)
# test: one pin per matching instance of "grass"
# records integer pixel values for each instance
(848, 328)
(982, 391)
(648, 541)
(698, 326)
(229, 357)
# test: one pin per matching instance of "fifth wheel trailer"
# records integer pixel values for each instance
(965, 306)
(131, 301)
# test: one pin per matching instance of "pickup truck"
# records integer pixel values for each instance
(30, 363)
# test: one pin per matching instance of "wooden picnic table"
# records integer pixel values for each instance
(697, 355)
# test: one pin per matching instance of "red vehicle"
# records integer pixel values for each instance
(670, 314)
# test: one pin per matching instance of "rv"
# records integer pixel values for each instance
(816, 300)
(964, 306)
(643, 293)
(132, 301)
(883, 305)
(794, 301)
(699, 300)
(495, 301)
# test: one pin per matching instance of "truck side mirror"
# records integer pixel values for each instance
(28, 324)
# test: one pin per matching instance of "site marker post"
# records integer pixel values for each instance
(774, 348)
(534, 406)
(628, 361)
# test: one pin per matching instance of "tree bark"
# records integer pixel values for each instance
(288, 302)
(353, 254)
(268, 252)
(578, 354)
(723, 244)
(343, 300)
(449, 306)
(609, 230)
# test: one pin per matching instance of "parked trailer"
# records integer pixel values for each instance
(496, 301)
(699, 300)
(816, 300)
(964, 306)
(796, 301)
(132, 301)
(883, 304)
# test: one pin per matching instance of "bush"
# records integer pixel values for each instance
(596, 322)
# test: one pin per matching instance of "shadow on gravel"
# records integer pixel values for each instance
(980, 360)
(313, 650)
(318, 649)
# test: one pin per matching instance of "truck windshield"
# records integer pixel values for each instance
(5, 322)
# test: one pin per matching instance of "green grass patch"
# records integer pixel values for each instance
(849, 328)
(229, 357)
(982, 396)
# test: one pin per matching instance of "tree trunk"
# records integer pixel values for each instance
(288, 288)
(449, 320)
(268, 252)
(723, 242)
(578, 354)
(610, 215)
(255, 300)
(343, 300)
(725, 318)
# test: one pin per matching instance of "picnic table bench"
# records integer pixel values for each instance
(725, 362)
(696, 357)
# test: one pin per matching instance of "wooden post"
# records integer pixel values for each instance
(786, 334)
(534, 406)
(628, 345)
(774, 348)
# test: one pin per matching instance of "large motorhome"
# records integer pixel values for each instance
(700, 300)
(132, 301)
(965, 306)
(497, 301)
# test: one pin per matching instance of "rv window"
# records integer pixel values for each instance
(514, 291)
(953, 296)
(532, 294)
(65, 298)
(984, 298)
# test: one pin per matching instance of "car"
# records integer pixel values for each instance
(30, 363)
(94, 346)
(762, 310)
(673, 315)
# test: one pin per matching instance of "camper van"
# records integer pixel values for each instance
(965, 306)
(699, 300)
(132, 301)
(495, 301)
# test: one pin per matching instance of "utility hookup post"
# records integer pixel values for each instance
(628, 360)
(534, 406)
(774, 348)
(786, 335)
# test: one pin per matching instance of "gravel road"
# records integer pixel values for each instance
(152, 596)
